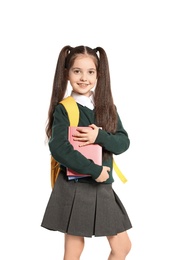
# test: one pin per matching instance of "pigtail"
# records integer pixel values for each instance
(60, 78)
(106, 115)
(59, 87)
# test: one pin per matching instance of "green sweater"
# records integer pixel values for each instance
(63, 151)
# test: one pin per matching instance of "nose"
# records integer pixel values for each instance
(83, 77)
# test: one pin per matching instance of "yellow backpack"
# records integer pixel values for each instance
(73, 114)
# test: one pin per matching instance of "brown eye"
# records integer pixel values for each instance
(76, 71)
(91, 72)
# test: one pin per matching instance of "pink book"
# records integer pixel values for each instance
(91, 151)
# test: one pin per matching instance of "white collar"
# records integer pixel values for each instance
(83, 100)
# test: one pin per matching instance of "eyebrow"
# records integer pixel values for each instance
(80, 68)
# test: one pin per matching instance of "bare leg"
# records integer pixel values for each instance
(120, 246)
(73, 247)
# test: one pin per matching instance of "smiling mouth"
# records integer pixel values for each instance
(83, 85)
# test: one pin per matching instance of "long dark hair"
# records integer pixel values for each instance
(105, 110)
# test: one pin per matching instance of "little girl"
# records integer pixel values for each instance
(89, 206)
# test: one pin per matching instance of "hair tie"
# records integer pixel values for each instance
(69, 49)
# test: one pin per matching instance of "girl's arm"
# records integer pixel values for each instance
(116, 143)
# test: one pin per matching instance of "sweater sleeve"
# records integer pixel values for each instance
(115, 143)
(63, 152)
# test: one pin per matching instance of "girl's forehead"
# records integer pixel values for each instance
(83, 58)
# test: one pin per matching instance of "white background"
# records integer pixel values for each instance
(138, 38)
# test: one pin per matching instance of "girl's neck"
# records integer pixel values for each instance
(84, 100)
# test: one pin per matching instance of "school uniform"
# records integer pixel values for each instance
(84, 207)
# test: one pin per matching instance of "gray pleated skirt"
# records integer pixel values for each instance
(85, 209)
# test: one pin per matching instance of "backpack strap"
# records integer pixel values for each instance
(73, 114)
(72, 110)
(118, 172)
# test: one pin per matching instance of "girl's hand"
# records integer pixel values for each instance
(103, 175)
(86, 136)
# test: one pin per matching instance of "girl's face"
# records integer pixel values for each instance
(83, 75)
